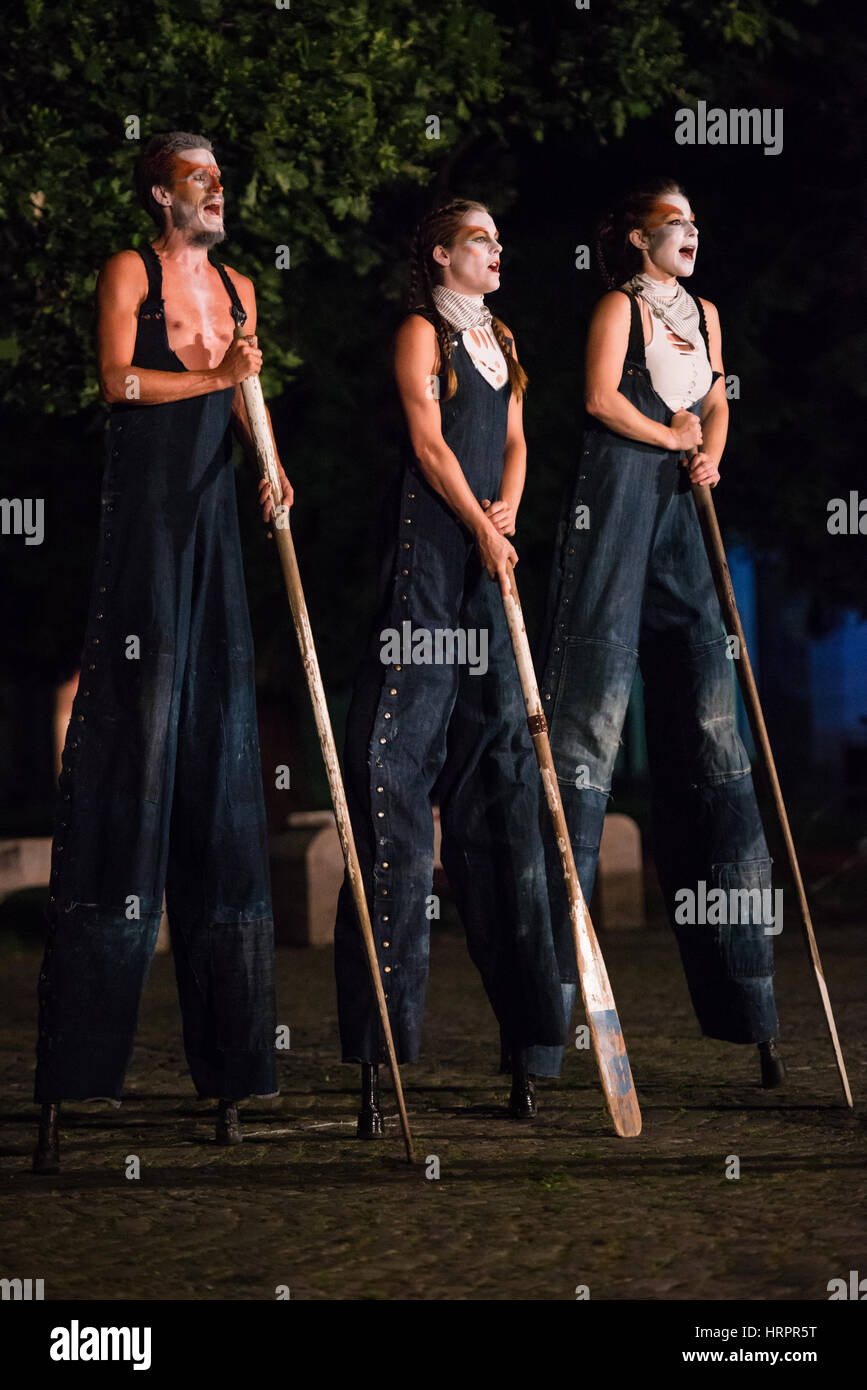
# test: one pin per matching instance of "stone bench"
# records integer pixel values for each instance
(26, 863)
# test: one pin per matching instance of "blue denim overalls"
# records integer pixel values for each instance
(415, 730)
(161, 785)
(635, 587)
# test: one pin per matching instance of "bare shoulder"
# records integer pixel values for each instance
(613, 307)
(610, 322)
(124, 268)
(123, 282)
(416, 350)
(415, 339)
(415, 331)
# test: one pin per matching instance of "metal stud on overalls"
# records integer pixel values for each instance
(419, 729)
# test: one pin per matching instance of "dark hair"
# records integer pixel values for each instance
(439, 228)
(154, 165)
(617, 258)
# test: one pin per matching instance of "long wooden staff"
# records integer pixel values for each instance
(605, 1031)
(723, 581)
(267, 460)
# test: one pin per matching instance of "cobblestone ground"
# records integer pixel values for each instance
(517, 1213)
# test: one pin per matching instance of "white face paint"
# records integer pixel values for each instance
(197, 197)
(670, 239)
(471, 265)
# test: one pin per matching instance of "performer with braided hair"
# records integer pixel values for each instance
(427, 721)
(631, 587)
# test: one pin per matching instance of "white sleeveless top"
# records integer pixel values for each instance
(486, 355)
(680, 377)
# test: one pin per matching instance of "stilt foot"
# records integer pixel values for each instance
(772, 1064)
(522, 1101)
(370, 1124)
(46, 1156)
(228, 1123)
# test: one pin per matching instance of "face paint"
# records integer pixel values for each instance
(474, 258)
(187, 170)
(672, 236)
(197, 199)
(478, 236)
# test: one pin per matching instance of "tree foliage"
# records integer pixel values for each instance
(315, 110)
(321, 119)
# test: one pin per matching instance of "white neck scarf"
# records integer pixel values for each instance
(461, 311)
(677, 309)
(469, 315)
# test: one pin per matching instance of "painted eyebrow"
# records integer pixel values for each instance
(482, 229)
(195, 168)
(669, 210)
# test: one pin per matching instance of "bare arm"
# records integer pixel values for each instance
(121, 291)
(415, 353)
(607, 342)
(240, 422)
(704, 466)
(504, 512)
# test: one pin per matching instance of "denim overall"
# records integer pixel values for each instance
(161, 785)
(636, 587)
(417, 730)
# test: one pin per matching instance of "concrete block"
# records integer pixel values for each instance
(24, 863)
(619, 896)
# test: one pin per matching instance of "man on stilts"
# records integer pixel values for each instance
(161, 787)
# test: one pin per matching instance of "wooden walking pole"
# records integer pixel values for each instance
(725, 591)
(266, 458)
(605, 1032)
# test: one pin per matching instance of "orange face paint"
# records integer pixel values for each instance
(186, 169)
(466, 233)
(663, 210)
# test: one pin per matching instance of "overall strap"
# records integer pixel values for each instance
(702, 323)
(239, 313)
(154, 273)
(635, 348)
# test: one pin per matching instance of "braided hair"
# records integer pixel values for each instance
(439, 227)
(618, 260)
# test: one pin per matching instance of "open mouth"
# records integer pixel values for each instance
(495, 266)
(688, 252)
(214, 209)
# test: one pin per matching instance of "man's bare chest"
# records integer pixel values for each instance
(199, 322)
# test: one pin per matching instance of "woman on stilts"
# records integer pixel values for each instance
(632, 587)
(445, 727)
